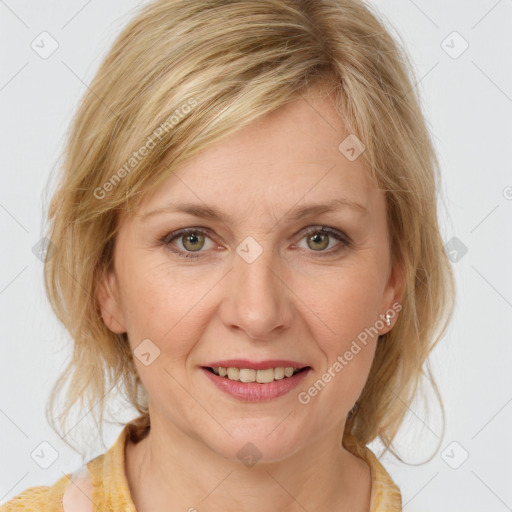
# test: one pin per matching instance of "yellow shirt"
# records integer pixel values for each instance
(110, 491)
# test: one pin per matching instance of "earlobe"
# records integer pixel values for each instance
(107, 296)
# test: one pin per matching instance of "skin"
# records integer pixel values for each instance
(290, 303)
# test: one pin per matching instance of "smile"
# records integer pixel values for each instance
(250, 385)
(263, 376)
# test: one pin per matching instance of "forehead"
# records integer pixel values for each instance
(288, 157)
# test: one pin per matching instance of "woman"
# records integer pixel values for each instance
(245, 241)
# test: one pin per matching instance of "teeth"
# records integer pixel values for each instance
(262, 376)
(246, 375)
(233, 373)
(279, 373)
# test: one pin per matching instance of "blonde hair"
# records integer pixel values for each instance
(231, 63)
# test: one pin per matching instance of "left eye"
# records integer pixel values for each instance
(316, 238)
(193, 240)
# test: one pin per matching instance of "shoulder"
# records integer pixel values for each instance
(37, 499)
(71, 493)
(385, 494)
(102, 481)
(30, 499)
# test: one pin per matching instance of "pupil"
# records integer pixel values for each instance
(318, 237)
(191, 238)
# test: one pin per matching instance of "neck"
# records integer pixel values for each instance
(170, 467)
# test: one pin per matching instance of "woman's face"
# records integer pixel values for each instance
(256, 286)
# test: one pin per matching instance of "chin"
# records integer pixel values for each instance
(252, 443)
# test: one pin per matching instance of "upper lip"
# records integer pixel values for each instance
(255, 365)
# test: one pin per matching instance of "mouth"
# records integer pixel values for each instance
(264, 383)
(260, 375)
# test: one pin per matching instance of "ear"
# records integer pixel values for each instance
(108, 299)
(393, 293)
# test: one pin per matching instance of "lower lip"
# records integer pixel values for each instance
(254, 391)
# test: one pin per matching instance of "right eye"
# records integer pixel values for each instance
(192, 240)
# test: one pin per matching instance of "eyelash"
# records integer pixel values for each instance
(170, 237)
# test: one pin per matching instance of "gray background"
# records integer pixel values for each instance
(467, 99)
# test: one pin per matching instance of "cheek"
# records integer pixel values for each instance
(165, 305)
(344, 306)
(346, 301)
(167, 308)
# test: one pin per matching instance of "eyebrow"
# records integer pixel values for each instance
(297, 213)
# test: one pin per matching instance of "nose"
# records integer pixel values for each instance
(257, 299)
